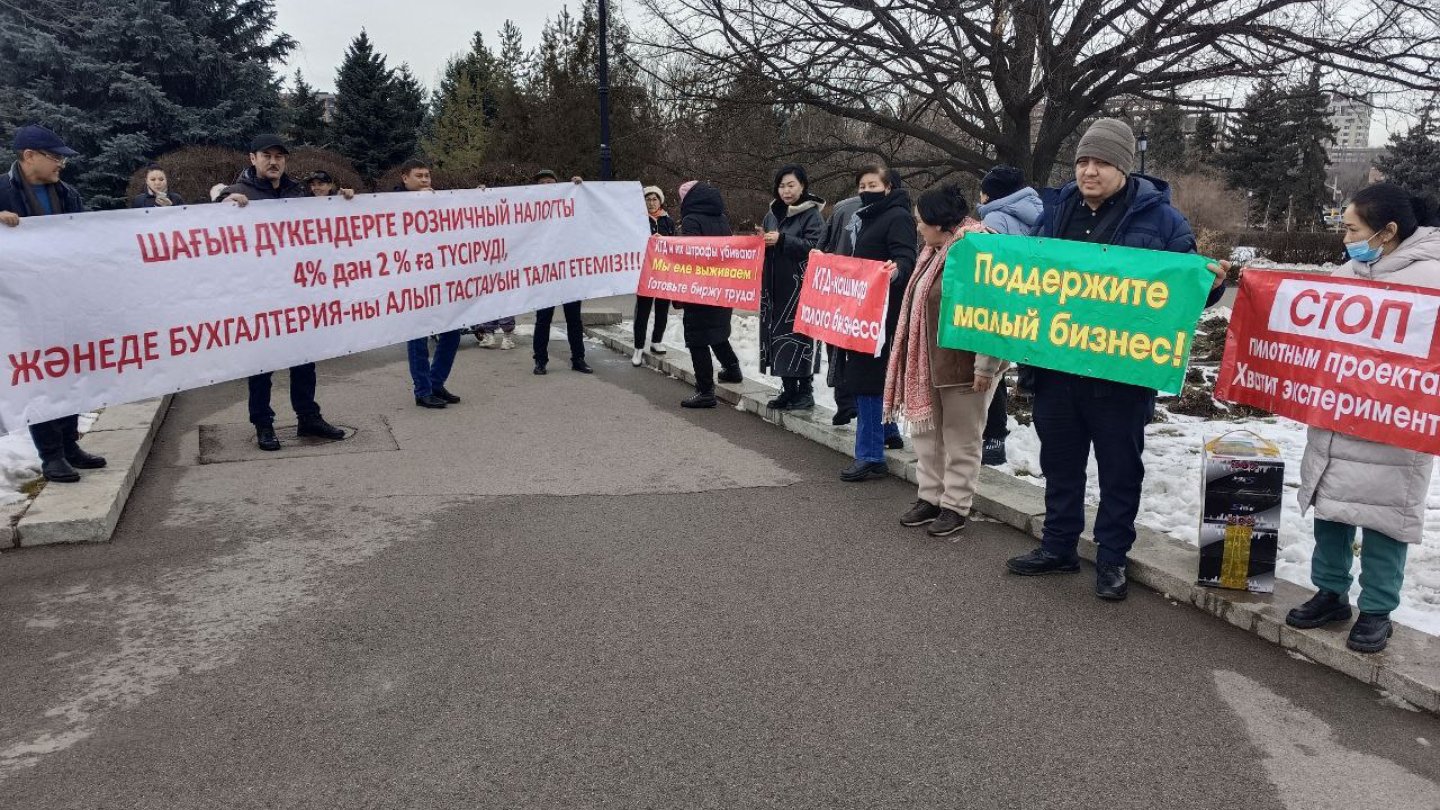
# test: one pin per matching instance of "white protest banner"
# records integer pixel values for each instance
(104, 308)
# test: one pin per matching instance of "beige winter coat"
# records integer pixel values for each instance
(1364, 483)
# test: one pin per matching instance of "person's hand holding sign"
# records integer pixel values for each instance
(891, 269)
(983, 383)
(1221, 269)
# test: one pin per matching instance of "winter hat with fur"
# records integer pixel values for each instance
(656, 191)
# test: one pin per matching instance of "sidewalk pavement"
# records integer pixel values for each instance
(567, 592)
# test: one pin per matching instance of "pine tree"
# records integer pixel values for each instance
(378, 110)
(1310, 133)
(126, 80)
(1412, 160)
(305, 115)
(466, 110)
(1203, 143)
(1250, 160)
(1165, 130)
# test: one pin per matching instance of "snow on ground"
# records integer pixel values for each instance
(19, 464)
(1171, 497)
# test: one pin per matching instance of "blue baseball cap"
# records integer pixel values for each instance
(41, 139)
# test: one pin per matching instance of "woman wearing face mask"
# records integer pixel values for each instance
(942, 395)
(660, 225)
(157, 191)
(792, 228)
(883, 229)
(1353, 483)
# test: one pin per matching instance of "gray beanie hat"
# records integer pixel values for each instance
(1110, 140)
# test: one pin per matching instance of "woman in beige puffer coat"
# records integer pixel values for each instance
(1354, 483)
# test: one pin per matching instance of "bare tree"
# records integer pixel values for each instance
(962, 84)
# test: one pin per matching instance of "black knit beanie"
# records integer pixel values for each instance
(1002, 181)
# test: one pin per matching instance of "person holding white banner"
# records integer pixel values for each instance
(266, 179)
(428, 374)
(33, 188)
(1355, 484)
(574, 320)
(942, 395)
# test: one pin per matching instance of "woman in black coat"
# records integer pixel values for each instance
(882, 230)
(793, 227)
(157, 191)
(660, 225)
(707, 328)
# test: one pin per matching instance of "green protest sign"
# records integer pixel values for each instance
(1116, 313)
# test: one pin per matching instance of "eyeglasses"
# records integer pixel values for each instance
(59, 160)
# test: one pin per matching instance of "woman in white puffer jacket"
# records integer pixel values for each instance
(1354, 483)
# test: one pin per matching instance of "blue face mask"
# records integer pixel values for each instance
(1362, 252)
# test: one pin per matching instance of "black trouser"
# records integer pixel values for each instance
(1074, 414)
(844, 400)
(53, 437)
(643, 304)
(574, 332)
(996, 426)
(302, 395)
(705, 368)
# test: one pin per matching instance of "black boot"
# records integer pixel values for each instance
(786, 396)
(921, 513)
(81, 460)
(59, 471)
(1322, 608)
(1040, 562)
(317, 427)
(804, 394)
(1371, 633)
(265, 438)
(731, 374)
(1110, 582)
(699, 399)
(844, 416)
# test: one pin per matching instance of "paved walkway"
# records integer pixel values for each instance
(569, 593)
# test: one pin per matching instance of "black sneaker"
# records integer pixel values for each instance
(430, 401)
(731, 375)
(1371, 633)
(539, 369)
(844, 416)
(265, 438)
(994, 453)
(864, 471)
(581, 366)
(921, 513)
(801, 402)
(81, 460)
(1040, 562)
(450, 399)
(949, 522)
(896, 442)
(59, 471)
(1321, 609)
(1110, 583)
(699, 400)
(319, 429)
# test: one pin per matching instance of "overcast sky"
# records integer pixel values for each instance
(424, 33)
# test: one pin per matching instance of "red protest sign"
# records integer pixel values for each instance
(843, 302)
(1350, 355)
(722, 271)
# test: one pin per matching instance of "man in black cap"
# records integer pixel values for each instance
(33, 188)
(574, 326)
(266, 179)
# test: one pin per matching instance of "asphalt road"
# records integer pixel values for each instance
(567, 592)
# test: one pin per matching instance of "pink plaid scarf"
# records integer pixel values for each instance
(909, 395)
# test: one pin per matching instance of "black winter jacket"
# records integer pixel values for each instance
(255, 188)
(887, 234)
(147, 200)
(702, 213)
(783, 351)
(14, 200)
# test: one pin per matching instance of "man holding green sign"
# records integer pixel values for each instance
(1104, 319)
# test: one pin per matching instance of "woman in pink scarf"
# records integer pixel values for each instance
(940, 395)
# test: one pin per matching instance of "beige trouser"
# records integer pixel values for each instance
(949, 453)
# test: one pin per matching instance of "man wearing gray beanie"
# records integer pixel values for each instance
(1105, 204)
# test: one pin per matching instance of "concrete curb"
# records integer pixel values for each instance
(1408, 669)
(87, 512)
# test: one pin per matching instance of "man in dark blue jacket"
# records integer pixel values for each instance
(1106, 205)
(266, 179)
(33, 189)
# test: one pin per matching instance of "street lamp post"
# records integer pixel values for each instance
(606, 171)
(1142, 145)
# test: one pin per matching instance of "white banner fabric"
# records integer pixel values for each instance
(103, 308)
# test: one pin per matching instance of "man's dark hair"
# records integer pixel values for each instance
(412, 164)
